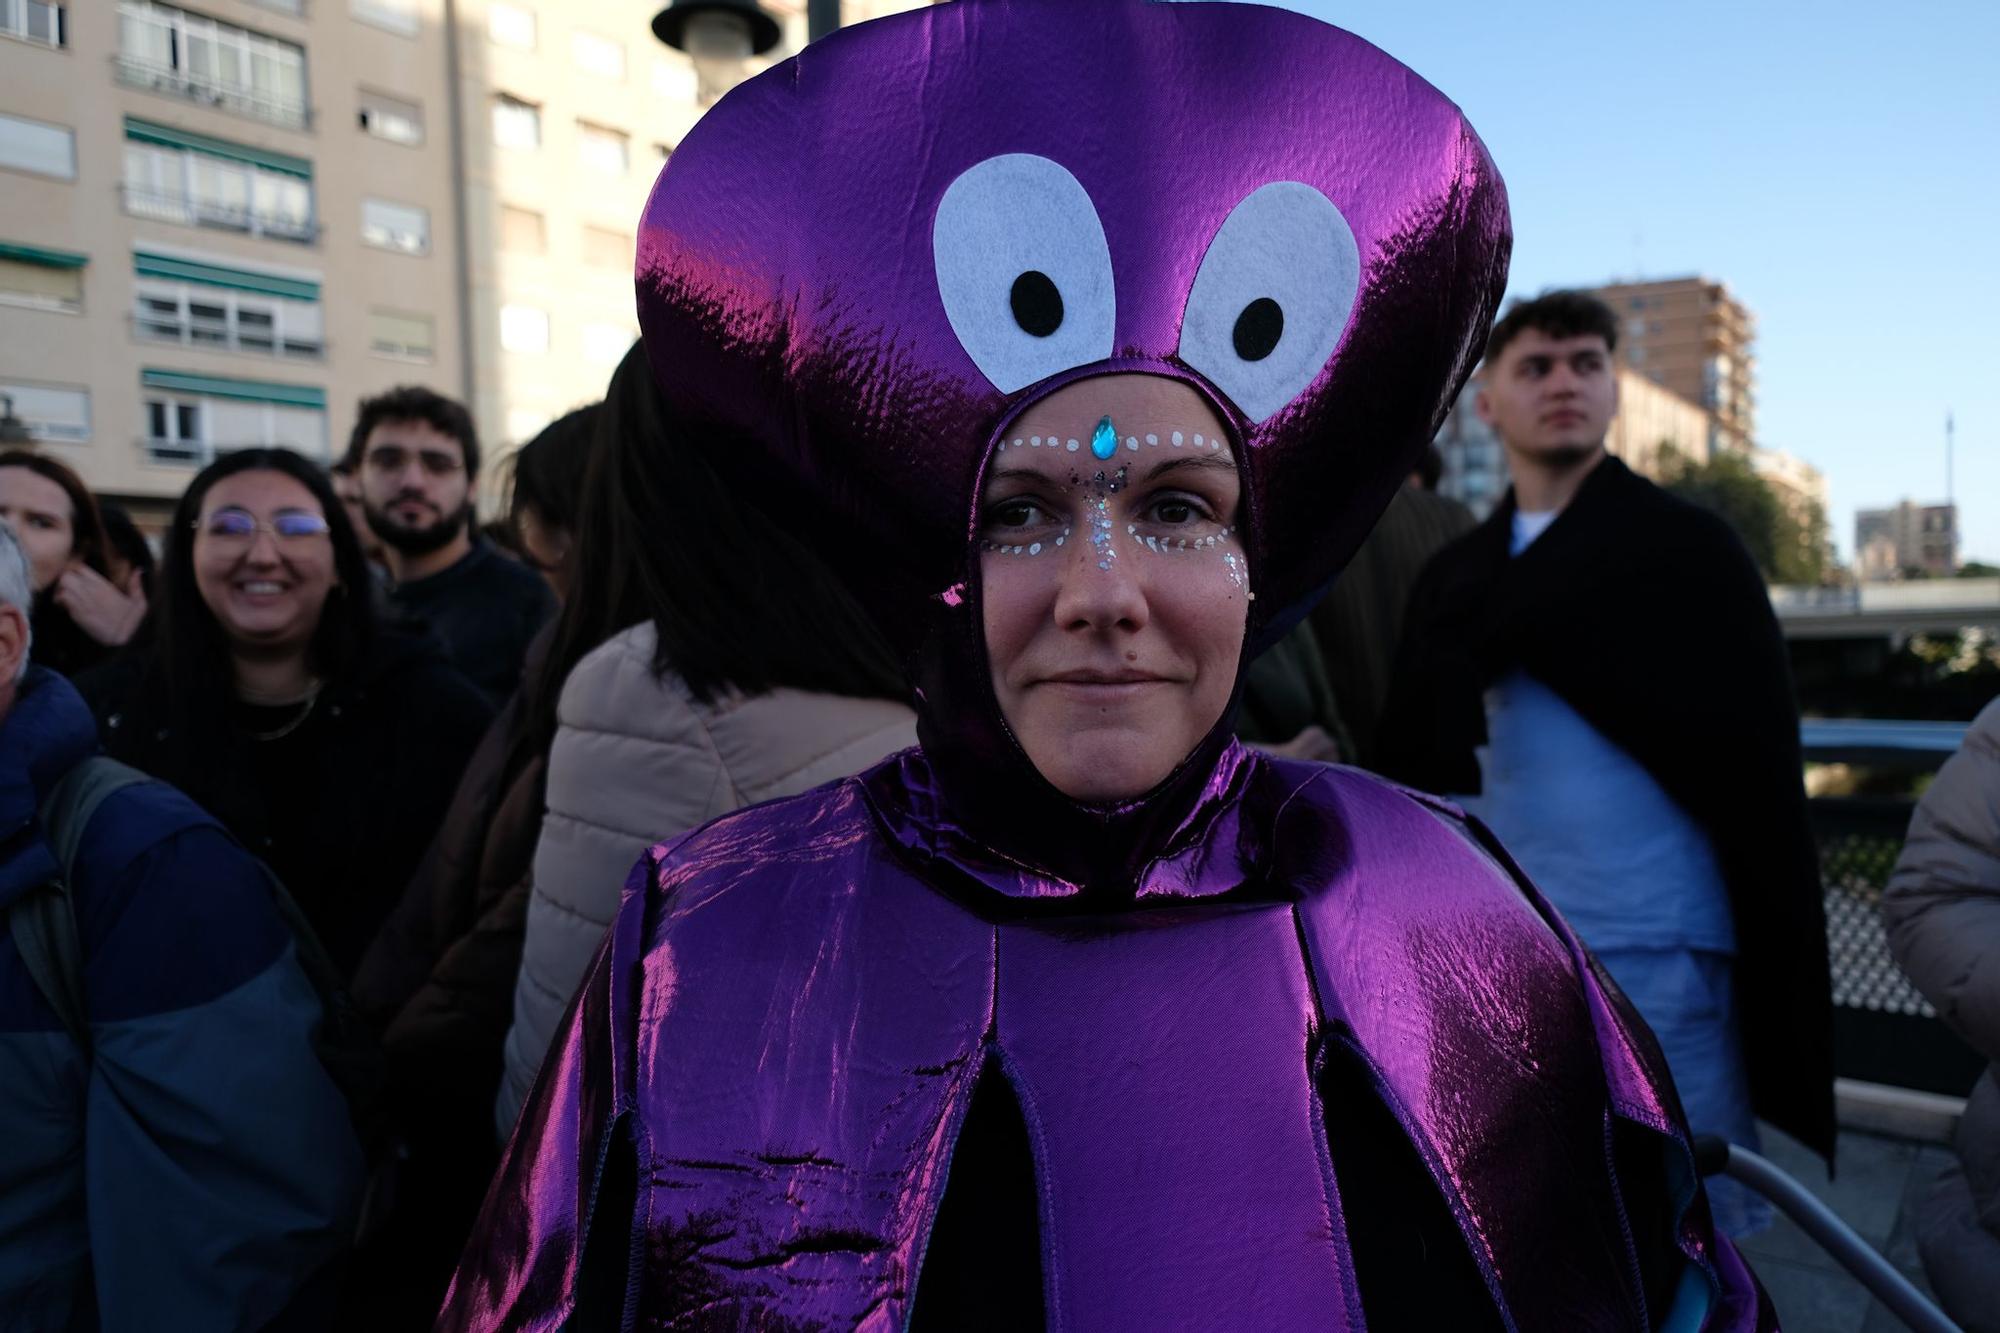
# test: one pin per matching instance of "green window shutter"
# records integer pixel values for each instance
(220, 386)
(174, 269)
(166, 136)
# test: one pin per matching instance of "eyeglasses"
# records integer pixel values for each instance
(391, 459)
(240, 526)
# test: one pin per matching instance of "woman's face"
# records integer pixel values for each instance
(263, 560)
(1115, 591)
(42, 517)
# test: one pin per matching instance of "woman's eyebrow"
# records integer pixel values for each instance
(1019, 474)
(1198, 462)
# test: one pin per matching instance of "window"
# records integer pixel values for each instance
(674, 80)
(523, 328)
(511, 25)
(49, 411)
(201, 314)
(35, 21)
(171, 51)
(41, 279)
(282, 6)
(400, 336)
(516, 124)
(190, 418)
(607, 343)
(604, 248)
(395, 226)
(177, 176)
(397, 16)
(390, 118)
(523, 231)
(597, 55)
(36, 146)
(661, 152)
(602, 148)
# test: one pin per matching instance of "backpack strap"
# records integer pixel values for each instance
(43, 921)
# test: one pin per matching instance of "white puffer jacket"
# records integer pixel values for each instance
(637, 760)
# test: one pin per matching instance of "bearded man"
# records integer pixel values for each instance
(417, 455)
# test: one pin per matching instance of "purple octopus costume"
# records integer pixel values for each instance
(1277, 1045)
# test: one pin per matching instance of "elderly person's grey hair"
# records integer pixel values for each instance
(16, 590)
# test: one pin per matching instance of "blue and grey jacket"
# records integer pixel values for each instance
(197, 1167)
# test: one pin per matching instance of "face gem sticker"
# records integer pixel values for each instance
(1104, 440)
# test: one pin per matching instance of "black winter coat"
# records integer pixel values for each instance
(343, 803)
(1646, 616)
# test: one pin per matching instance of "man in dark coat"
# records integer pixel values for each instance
(1596, 671)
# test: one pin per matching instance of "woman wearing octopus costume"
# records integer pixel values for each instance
(1089, 339)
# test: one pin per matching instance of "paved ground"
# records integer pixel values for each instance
(1880, 1180)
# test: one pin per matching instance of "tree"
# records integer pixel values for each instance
(1788, 546)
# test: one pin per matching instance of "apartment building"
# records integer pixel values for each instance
(225, 222)
(218, 227)
(1691, 337)
(1908, 538)
(571, 110)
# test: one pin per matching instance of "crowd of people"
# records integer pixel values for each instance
(447, 753)
(739, 889)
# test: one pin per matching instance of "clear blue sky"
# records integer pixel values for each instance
(1837, 164)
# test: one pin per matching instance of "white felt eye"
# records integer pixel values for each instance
(1024, 270)
(1272, 295)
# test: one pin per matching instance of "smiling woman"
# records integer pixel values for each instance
(265, 689)
(1115, 651)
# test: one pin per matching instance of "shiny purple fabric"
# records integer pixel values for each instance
(796, 1002)
(795, 1007)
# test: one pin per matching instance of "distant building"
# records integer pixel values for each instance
(225, 223)
(1691, 337)
(1651, 421)
(1801, 489)
(1909, 538)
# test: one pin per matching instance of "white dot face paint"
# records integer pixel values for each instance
(1115, 653)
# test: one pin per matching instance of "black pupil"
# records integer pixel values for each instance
(1038, 306)
(1258, 329)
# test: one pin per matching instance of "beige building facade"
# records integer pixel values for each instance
(213, 233)
(225, 223)
(1652, 422)
(1692, 338)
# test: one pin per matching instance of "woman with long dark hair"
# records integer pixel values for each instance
(706, 659)
(265, 689)
(82, 615)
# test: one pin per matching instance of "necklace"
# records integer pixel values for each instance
(279, 733)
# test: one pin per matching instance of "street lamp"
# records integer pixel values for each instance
(718, 35)
(13, 430)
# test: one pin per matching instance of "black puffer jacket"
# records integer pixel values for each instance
(340, 800)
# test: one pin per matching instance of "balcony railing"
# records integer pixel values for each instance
(201, 331)
(178, 208)
(245, 101)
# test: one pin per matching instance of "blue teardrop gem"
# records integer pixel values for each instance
(1104, 440)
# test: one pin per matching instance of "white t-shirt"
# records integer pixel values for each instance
(1529, 525)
